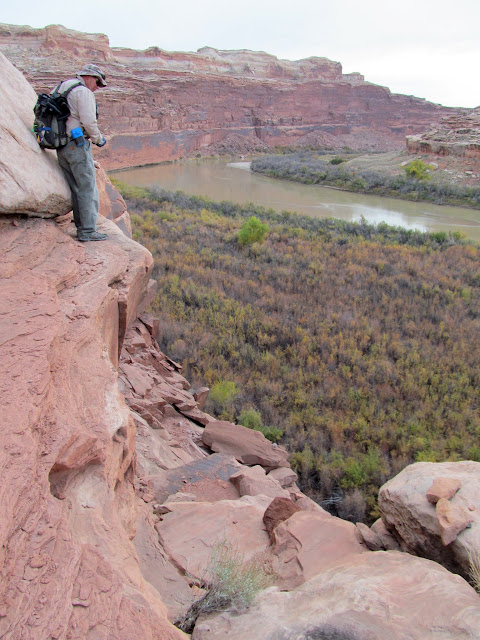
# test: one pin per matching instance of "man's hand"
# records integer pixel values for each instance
(102, 143)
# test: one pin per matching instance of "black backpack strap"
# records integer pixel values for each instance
(65, 93)
(74, 86)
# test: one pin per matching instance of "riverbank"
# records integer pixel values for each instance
(218, 179)
(445, 181)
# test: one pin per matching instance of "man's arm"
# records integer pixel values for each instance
(87, 113)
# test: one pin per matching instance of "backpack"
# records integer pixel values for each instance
(51, 113)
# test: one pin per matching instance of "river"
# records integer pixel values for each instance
(222, 180)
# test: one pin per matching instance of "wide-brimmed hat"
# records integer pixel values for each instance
(96, 72)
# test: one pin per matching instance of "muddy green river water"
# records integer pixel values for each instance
(221, 180)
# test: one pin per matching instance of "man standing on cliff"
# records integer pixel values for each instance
(76, 158)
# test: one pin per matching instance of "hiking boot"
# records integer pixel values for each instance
(90, 237)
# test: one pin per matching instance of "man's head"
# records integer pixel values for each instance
(93, 76)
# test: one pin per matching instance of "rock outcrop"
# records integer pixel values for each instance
(161, 105)
(246, 445)
(31, 181)
(373, 596)
(68, 566)
(455, 135)
(448, 530)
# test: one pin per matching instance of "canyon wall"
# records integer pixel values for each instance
(116, 486)
(162, 105)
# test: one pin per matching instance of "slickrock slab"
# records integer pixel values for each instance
(309, 543)
(414, 521)
(156, 567)
(372, 596)
(31, 181)
(443, 488)
(246, 445)
(190, 532)
(208, 478)
(252, 481)
(153, 452)
(67, 451)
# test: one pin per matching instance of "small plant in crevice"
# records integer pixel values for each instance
(474, 572)
(231, 582)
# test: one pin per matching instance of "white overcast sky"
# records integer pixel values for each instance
(426, 48)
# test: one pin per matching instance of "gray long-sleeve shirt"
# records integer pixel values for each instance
(83, 109)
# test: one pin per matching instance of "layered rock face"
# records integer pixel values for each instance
(68, 567)
(161, 106)
(454, 136)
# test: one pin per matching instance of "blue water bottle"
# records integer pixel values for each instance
(77, 135)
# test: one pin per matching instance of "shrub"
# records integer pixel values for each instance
(337, 160)
(251, 419)
(418, 170)
(274, 434)
(222, 396)
(231, 582)
(252, 231)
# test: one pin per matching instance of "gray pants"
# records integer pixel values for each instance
(77, 165)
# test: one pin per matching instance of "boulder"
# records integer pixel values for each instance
(443, 488)
(31, 180)
(389, 542)
(190, 532)
(285, 476)
(201, 396)
(452, 519)
(368, 537)
(252, 481)
(248, 446)
(371, 596)
(279, 510)
(309, 543)
(414, 521)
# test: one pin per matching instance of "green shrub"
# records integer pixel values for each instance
(251, 419)
(252, 231)
(231, 582)
(274, 434)
(418, 170)
(337, 160)
(222, 396)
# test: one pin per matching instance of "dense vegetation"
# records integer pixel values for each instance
(356, 345)
(413, 183)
